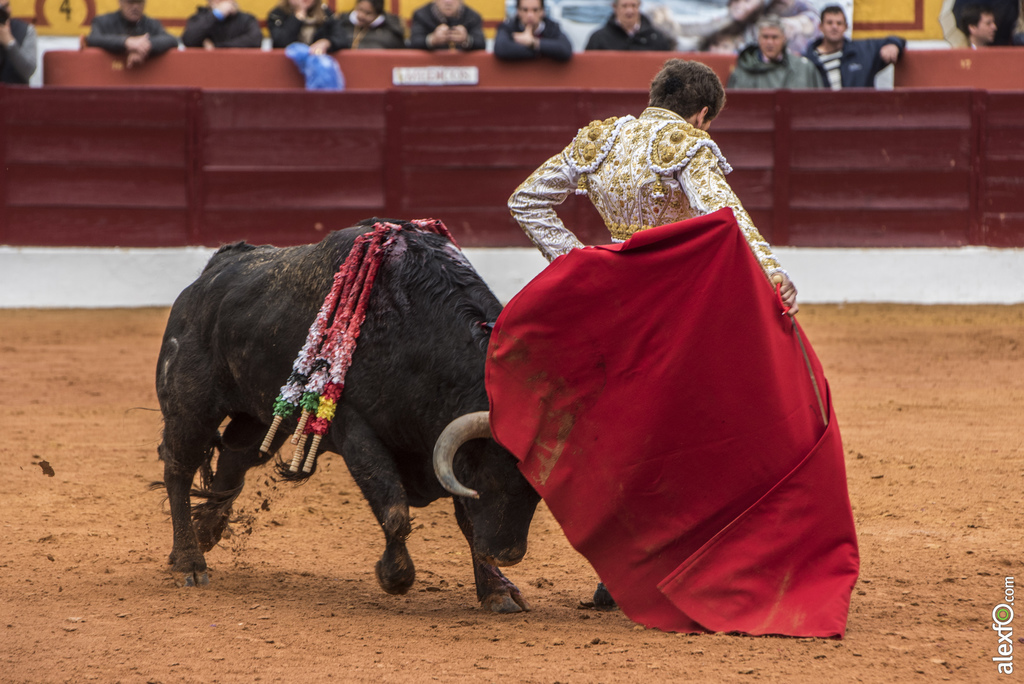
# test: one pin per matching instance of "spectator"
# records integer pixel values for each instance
(447, 24)
(131, 33)
(17, 47)
(799, 23)
(1018, 31)
(1004, 12)
(369, 27)
(628, 29)
(304, 21)
(979, 25)
(767, 64)
(530, 34)
(850, 63)
(221, 25)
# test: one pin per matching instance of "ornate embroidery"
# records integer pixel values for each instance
(672, 148)
(592, 143)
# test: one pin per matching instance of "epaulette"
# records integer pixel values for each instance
(674, 145)
(591, 145)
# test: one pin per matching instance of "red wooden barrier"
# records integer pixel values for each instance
(363, 69)
(164, 166)
(990, 69)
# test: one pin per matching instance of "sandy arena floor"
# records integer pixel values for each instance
(930, 401)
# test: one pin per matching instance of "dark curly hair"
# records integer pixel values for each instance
(971, 16)
(687, 87)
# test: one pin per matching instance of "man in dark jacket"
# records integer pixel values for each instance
(1004, 12)
(17, 47)
(530, 34)
(447, 24)
(850, 63)
(221, 25)
(628, 29)
(131, 33)
(369, 27)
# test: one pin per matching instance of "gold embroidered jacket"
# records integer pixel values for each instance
(639, 173)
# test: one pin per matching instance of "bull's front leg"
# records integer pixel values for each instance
(239, 451)
(495, 592)
(373, 469)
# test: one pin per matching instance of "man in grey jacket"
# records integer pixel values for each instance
(768, 65)
(131, 33)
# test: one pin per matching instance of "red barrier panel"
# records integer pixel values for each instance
(1000, 177)
(995, 68)
(164, 166)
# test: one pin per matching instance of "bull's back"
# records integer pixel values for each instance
(241, 322)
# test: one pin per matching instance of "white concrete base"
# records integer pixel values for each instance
(80, 277)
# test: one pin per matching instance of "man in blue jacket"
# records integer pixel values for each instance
(850, 63)
(531, 34)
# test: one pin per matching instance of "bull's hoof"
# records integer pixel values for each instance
(192, 579)
(398, 581)
(188, 569)
(505, 602)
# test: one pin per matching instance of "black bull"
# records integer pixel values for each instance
(230, 342)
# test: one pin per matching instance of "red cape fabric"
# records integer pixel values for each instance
(657, 398)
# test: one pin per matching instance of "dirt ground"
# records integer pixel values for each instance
(930, 401)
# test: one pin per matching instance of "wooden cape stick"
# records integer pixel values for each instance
(777, 280)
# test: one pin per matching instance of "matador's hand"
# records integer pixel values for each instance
(787, 292)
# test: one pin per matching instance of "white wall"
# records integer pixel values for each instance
(79, 277)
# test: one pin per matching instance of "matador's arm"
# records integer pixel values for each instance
(533, 207)
(707, 190)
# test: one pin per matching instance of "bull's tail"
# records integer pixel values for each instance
(283, 470)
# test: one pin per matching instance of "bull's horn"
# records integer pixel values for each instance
(459, 431)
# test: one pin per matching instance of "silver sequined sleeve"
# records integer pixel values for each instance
(707, 190)
(533, 207)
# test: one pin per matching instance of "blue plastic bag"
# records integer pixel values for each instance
(320, 71)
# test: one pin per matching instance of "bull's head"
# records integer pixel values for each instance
(500, 518)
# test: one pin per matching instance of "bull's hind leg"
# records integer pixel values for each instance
(191, 422)
(495, 592)
(373, 468)
(183, 452)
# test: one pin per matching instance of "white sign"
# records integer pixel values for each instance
(435, 75)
